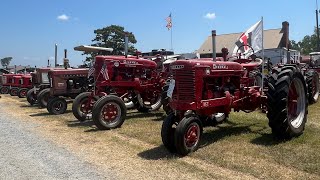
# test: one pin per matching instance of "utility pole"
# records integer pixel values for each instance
(317, 15)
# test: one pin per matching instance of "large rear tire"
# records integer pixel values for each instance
(109, 112)
(187, 135)
(287, 102)
(43, 97)
(144, 106)
(312, 78)
(81, 108)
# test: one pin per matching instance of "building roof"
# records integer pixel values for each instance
(272, 39)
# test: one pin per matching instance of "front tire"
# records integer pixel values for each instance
(22, 93)
(287, 102)
(14, 91)
(81, 108)
(167, 132)
(31, 97)
(43, 97)
(4, 90)
(188, 134)
(57, 106)
(109, 112)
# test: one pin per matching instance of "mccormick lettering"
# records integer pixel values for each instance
(220, 66)
(129, 62)
(177, 67)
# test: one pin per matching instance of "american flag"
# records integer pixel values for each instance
(104, 72)
(91, 71)
(169, 22)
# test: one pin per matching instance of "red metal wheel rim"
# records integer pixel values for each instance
(191, 136)
(110, 113)
(86, 106)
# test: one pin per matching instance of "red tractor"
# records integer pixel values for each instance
(7, 81)
(202, 89)
(40, 81)
(312, 76)
(15, 85)
(25, 85)
(119, 79)
(119, 82)
(65, 83)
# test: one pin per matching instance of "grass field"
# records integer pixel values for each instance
(242, 145)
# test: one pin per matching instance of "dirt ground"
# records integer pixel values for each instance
(240, 149)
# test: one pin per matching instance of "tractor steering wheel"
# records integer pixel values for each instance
(244, 55)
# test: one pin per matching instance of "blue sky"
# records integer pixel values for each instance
(29, 29)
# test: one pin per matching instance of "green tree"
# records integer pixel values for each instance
(307, 45)
(113, 37)
(5, 62)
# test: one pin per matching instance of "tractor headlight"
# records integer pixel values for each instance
(207, 71)
(70, 82)
(116, 64)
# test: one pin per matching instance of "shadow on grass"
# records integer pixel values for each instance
(155, 116)
(77, 123)
(157, 153)
(48, 114)
(40, 114)
(267, 140)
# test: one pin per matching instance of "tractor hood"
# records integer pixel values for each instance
(214, 65)
(122, 61)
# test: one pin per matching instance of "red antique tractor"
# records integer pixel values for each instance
(15, 85)
(7, 81)
(312, 76)
(40, 81)
(120, 78)
(201, 89)
(65, 83)
(25, 85)
(119, 81)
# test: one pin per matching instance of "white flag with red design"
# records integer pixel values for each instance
(252, 37)
(104, 72)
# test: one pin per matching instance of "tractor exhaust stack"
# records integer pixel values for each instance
(56, 55)
(126, 44)
(214, 52)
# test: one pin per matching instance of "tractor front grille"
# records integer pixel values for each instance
(185, 85)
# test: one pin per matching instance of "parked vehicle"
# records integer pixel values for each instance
(201, 89)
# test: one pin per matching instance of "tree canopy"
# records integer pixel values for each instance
(113, 37)
(5, 61)
(307, 45)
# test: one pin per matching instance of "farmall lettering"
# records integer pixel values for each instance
(220, 66)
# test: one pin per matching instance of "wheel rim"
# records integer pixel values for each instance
(23, 93)
(296, 103)
(57, 106)
(315, 87)
(192, 135)
(110, 113)
(14, 92)
(86, 106)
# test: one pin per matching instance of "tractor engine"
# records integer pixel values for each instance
(119, 68)
(315, 59)
(204, 85)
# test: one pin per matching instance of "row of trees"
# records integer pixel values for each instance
(5, 62)
(307, 45)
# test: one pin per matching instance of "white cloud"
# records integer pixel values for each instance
(63, 17)
(210, 16)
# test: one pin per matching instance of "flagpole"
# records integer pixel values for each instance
(171, 31)
(262, 57)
